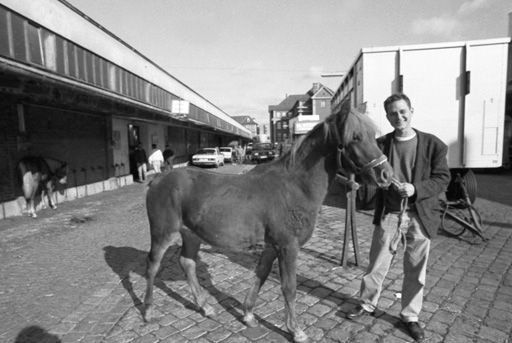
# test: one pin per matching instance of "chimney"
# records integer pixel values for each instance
(316, 87)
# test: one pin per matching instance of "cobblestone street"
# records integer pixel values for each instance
(76, 275)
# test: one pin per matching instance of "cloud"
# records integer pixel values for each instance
(449, 25)
(439, 26)
(472, 5)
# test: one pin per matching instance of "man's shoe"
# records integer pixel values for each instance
(415, 330)
(357, 312)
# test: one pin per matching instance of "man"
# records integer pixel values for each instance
(168, 158)
(408, 208)
(156, 159)
(140, 158)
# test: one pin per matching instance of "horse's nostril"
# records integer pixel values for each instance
(385, 175)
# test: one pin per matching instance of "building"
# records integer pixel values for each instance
(297, 114)
(249, 123)
(73, 91)
(279, 116)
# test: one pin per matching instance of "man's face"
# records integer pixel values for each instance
(399, 115)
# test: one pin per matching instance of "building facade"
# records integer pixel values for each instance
(249, 123)
(72, 91)
(297, 114)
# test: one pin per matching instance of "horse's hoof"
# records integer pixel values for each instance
(208, 310)
(250, 321)
(54, 207)
(33, 215)
(148, 312)
(300, 337)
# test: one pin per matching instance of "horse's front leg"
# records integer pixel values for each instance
(288, 269)
(49, 195)
(188, 258)
(262, 271)
(31, 207)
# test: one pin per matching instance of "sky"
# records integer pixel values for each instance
(244, 55)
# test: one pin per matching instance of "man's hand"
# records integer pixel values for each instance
(405, 190)
(352, 185)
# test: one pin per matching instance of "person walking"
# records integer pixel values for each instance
(156, 159)
(407, 212)
(139, 155)
(168, 155)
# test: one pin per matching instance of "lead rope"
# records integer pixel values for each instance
(402, 227)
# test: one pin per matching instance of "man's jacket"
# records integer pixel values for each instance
(430, 179)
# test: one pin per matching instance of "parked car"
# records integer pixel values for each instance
(262, 152)
(210, 157)
(227, 152)
(248, 149)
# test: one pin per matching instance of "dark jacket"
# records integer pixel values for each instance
(430, 179)
(139, 155)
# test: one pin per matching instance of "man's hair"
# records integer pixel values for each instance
(396, 97)
(153, 146)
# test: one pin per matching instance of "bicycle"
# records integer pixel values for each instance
(460, 215)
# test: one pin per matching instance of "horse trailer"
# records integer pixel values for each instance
(457, 89)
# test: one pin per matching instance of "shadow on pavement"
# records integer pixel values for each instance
(124, 260)
(494, 185)
(36, 334)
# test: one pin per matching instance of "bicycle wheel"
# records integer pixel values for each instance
(451, 221)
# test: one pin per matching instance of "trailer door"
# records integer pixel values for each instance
(431, 78)
(485, 105)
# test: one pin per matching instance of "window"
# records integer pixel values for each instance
(4, 33)
(322, 104)
(34, 46)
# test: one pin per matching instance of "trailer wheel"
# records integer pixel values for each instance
(454, 191)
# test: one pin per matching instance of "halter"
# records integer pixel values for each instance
(357, 170)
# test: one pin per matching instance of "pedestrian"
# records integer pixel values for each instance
(168, 155)
(240, 153)
(139, 155)
(156, 159)
(407, 212)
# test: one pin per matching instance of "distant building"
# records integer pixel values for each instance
(249, 123)
(297, 114)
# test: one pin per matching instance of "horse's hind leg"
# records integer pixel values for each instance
(188, 258)
(154, 258)
(29, 191)
(288, 269)
(263, 269)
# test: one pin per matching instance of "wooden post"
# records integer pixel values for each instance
(350, 225)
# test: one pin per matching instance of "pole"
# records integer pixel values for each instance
(350, 224)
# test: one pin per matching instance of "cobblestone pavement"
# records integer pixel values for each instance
(75, 275)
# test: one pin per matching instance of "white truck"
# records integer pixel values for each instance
(457, 89)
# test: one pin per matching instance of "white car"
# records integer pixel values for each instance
(210, 157)
(227, 152)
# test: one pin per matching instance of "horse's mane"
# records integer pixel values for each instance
(354, 124)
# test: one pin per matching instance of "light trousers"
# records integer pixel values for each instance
(415, 265)
(142, 170)
(157, 166)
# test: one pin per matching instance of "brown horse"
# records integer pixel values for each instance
(276, 203)
(37, 176)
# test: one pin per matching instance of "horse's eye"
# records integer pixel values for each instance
(356, 137)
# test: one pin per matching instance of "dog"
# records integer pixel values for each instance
(37, 176)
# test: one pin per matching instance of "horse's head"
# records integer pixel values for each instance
(61, 173)
(358, 152)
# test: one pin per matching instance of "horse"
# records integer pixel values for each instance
(276, 204)
(36, 175)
